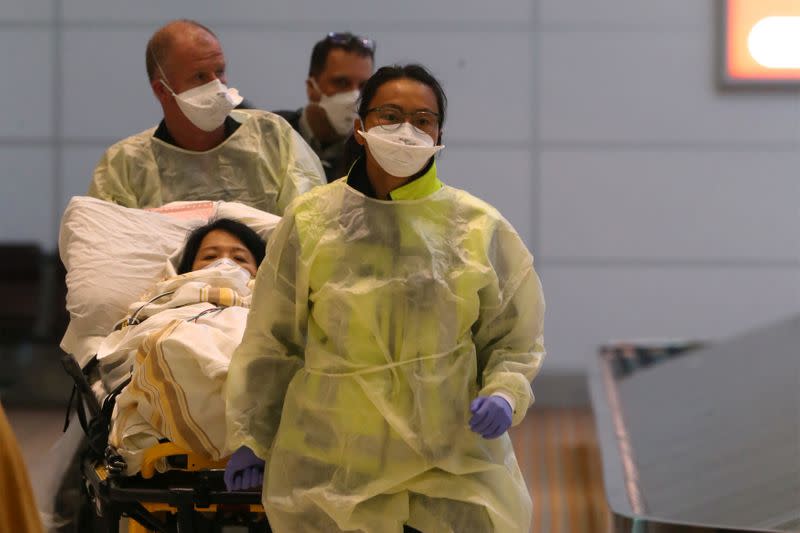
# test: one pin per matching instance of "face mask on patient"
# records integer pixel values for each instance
(226, 265)
(224, 262)
(225, 271)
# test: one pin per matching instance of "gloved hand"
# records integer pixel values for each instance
(244, 470)
(491, 416)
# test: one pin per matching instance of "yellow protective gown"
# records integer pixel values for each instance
(373, 325)
(264, 164)
(18, 511)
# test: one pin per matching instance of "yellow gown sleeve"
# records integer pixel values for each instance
(273, 345)
(109, 181)
(508, 335)
(303, 169)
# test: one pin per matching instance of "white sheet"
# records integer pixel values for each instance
(179, 366)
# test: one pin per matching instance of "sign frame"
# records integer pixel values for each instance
(726, 79)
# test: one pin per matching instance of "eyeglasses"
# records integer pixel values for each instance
(349, 39)
(390, 118)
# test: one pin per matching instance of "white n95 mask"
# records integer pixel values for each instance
(207, 106)
(229, 266)
(340, 108)
(222, 262)
(401, 152)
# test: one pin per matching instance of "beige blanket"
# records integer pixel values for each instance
(176, 345)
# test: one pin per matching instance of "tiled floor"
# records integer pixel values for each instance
(36, 430)
(556, 449)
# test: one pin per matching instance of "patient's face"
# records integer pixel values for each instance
(219, 244)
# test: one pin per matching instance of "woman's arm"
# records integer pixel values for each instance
(508, 334)
(272, 347)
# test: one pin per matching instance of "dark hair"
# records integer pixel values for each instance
(343, 41)
(160, 44)
(244, 233)
(354, 151)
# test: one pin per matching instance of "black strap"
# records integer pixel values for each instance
(100, 426)
(69, 408)
(81, 381)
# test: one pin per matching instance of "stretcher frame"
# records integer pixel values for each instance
(189, 497)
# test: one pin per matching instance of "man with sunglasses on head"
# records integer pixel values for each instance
(340, 65)
(204, 149)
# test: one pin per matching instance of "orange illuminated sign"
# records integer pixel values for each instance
(761, 41)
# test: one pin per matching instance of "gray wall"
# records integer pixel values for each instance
(656, 205)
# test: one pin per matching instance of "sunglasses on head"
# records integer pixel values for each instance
(348, 39)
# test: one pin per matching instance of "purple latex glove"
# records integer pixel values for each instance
(244, 470)
(491, 416)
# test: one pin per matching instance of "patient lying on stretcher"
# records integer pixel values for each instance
(178, 341)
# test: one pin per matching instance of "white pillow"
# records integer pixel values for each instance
(113, 254)
(260, 221)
